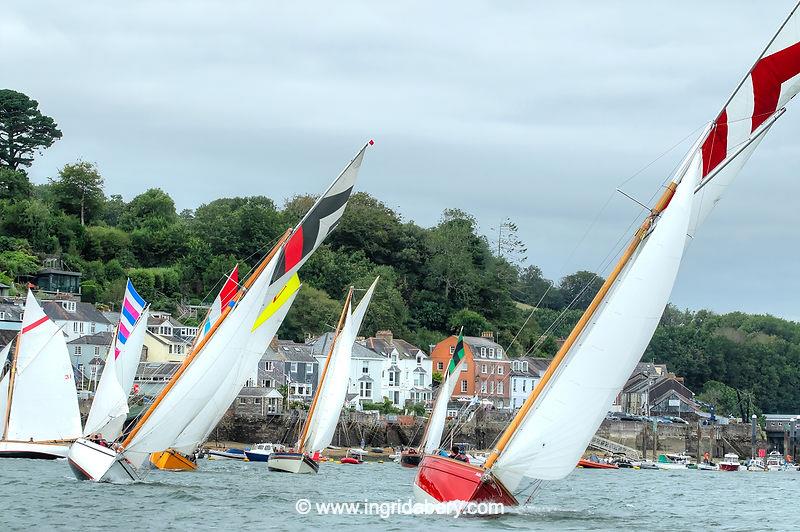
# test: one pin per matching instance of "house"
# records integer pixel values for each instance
(167, 339)
(525, 374)
(55, 279)
(407, 372)
(76, 318)
(82, 350)
(152, 376)
(366, 370)
(485, 371)
(258, 402)
(653, 390)
(670, 397)
(299, 367)
(10, 315)
(5, 290)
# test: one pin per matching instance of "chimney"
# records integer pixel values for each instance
(488, 334)
(386, 336)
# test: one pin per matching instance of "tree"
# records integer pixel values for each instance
(79, 190)
(509, 245)
(153, 209)
(474, 324)
(580, 288)
(14, 185)
(23, 129)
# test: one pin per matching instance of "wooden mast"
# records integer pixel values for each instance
(641, 233)
(196, 349)
(11, 378)
(307, 425)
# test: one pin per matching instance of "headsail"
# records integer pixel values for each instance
(433, 434)
(332, 390)
(224, 299)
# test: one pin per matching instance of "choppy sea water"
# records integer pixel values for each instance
(229, 495)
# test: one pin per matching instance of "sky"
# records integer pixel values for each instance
(535, 111)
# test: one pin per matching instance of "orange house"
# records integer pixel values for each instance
(486, 370)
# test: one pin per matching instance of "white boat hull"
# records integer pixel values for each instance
(90, 461)
(670, 467)
(33, 450)
(292, 463)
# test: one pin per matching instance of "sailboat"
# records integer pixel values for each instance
(236, 340)
(323, 414)
(432, 438)
(38, 398)
(110, 405)
(553, 427)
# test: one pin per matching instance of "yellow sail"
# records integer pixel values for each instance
(278, 301)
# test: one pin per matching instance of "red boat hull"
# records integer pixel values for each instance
(729, 467)
(348, 460)
(443, 480)
(588, 464)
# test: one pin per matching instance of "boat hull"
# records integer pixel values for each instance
(441, 479)
(93, 462)
(588, 464)
(172, 460)
(410, 460)
(292, 463)
(729, 467)
(33, 450)
(257, 456)
(225, 455)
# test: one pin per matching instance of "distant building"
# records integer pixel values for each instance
(10, 315)
(525, 374)
(54, 278)
(295, 365)
(5, 290)
(407, 372)
(366, 370)
(485, 371)
(152, 376)
(82, 350)
(167, 339)
(258, 402)
(75, 318)
(653, 390)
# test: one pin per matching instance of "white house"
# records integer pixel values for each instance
(407, 372)
(525, 375)
(76, 318)
(365, 370)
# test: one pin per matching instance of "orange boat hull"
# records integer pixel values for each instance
(171, 460)
(442, 479)
(588, 464)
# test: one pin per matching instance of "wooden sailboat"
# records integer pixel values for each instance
(323, 414)
(39, 401)
(236, 340)
(432, 439)
(553, 427)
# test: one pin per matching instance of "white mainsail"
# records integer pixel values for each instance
(333, 390)
(110, 405)
(44, 401)
(557, 429)
(433, 434)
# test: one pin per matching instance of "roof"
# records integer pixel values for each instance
(289, 351)
(83, 312)
(112, 317)
(475, 343)
(4, 285)
(45, 271)
(536, 366)
(148, 370)
(385, 345)
(257, 391)
(160, 319)
(101, 338)
(6, 337)
(11, 312)
(321, 346)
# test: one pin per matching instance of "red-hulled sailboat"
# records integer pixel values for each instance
(555, 424)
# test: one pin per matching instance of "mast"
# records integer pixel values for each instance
(196, 349)
(641, 233)
(307, 424)
(11, 377)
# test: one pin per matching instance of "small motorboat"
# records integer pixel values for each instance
(775, 461)
(673, 461)
(730, 462)
(756, 464)
(354, 456)
(227, 454)
(595, 462)
(261, 452)
(410, 457)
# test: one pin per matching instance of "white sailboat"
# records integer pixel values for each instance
(238, 338)
(552, 429)
(110, 405)
(40, 402)
(323, 414)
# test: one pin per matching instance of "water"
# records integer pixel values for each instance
(234, 495)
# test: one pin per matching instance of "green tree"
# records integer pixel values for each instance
(154, 209)
(313, 312)
(14, 185)
(474, 324)
(16, 263)
(580, 288)
(24, 130)
(79, 190)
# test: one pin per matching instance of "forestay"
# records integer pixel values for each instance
(333, 390)
(553, 435)
(44, 401)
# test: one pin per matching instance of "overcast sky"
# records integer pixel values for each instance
(532, 110)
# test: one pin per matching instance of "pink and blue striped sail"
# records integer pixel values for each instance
(132, 307)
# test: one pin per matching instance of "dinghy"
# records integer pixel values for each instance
(323, 414)
(216, 362)
(38, 398)
(555, 424)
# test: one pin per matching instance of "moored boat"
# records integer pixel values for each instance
(227, 454)
(596, 463)
(410, 457)
(730, 462)
(262, 451)
(775, 461)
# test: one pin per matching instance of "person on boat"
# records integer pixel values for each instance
(458, 455)
(443, 452)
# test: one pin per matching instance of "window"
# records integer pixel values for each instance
(483, 351)
(500, 370)
(491, 370)
(74, 326)
(394, 357)
(464, 366)
(309, 368)
(491, 387)
(268, 365)
(92, 327)
(170, 349)
(491, 352)
(483, 386)
(499, 388)
(419, 379)
(97, 350)
(485, 369)
(514, 385)
(242, 401)
(396, 398)
(69, 306)
(78, 350)
(365, 368)
(524, 385)
(294, 367)
(463, 386)
(499, 352)
(257, 400)
(452, 349)
(365, 389)
(2, 315)
(419, 360)
(80, 368)
(440, 366)
(394, 378)
(524, 365)
(250, 383)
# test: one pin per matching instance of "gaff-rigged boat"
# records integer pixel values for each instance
(323, 414)
(555, 424)
(38, 399)
(432, 438)
(236, 340)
